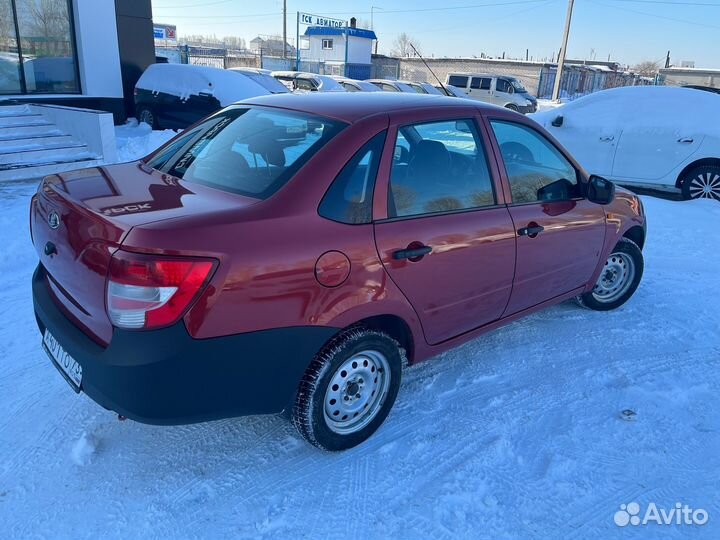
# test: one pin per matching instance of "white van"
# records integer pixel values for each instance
(499, 90)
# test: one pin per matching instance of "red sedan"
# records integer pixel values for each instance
(295, 252)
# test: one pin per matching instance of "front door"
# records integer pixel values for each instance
(560, 234)
(446, 243)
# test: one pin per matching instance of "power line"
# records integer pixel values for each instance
(669, 3)
(201, 4)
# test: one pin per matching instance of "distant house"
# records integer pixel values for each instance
(328, 44)
(270, 47)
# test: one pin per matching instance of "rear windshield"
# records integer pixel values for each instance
(250, 151)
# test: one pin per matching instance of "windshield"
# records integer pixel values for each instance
(517, 85)
(250, 151)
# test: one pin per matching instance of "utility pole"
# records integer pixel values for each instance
(284, 29)
(563, 51)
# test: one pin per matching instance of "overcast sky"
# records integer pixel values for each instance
(628, 30)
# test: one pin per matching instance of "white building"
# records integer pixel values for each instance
(340, 46)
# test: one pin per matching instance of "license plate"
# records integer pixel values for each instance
(71, 370)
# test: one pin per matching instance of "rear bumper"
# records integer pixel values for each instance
(167, 377)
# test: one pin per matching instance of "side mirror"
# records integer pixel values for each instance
(600, 190)
(558, 121)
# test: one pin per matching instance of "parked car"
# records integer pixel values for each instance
(178, 95)
(452, 91)
(392, 86)
(499, 90)
(263, 77)
(650, 136)
(299, 81)
(704, 88)
(241, 269)
(424, 88)
(354, 85)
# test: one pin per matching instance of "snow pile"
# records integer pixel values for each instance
(83, 449)
(184, 80)
(135, 141)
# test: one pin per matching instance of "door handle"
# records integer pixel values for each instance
(412, 254)
(607, 138)
(531, 231)
(686, 140)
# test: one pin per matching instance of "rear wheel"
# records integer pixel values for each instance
(702, 183)
(146, 114)
(618, 280)
(348, 389)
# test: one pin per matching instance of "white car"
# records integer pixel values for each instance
(652, 136)
(300, 81)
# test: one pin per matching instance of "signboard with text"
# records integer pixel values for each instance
(165, 32)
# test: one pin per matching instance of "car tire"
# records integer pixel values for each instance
(147, 115)
(348, 389)
(512, 107)
(701, 183)
(618, 280)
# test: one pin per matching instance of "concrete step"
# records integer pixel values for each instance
(38, 171)
(23, 120)
(36, 143)
(39, 130)
(14, 110)
(53, 155)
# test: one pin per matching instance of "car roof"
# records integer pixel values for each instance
(354, 106)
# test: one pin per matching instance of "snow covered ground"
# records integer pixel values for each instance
(518, 434)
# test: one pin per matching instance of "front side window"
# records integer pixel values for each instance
(350, 197)
(503, 86)
(439, 167)
(536, 170)
(305, 84)
(250, 151)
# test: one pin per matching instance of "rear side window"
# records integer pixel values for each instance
(458, 80)
(350, 197)
(250, 151)
(444, 170)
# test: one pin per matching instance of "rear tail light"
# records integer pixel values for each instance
(146, 291)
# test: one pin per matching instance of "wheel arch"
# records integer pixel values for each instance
(396, 328)
(697, 163)
(636, 234)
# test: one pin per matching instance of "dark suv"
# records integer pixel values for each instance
(295, 252)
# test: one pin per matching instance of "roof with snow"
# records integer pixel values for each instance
(327, 31)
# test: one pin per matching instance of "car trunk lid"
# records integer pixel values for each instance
(79, 219)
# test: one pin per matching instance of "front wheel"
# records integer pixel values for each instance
(348, 389)
(702, 183)
(618, 279)
(512, 107)
(147, 115)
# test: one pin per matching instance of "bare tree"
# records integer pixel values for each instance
(401, 45)
(647, 68)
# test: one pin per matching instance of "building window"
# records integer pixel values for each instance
(37, 48)
(327, 44)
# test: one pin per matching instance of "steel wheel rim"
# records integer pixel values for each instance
(705, 186)
(615, 279)
(356, 392)
(146, 117)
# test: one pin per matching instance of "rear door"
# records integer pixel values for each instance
(448, 241)
(559, 233)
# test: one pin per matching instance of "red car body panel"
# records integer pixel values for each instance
(272, 272)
